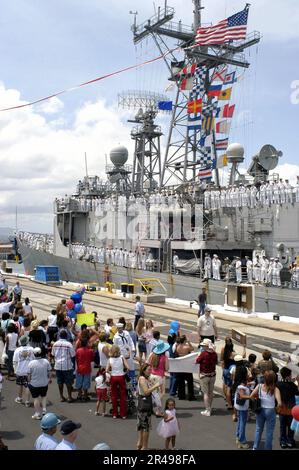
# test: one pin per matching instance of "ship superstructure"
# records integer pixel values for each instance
(169, 204)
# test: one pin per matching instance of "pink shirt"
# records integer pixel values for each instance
(160, 370)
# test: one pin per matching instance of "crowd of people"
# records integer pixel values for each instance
(106, 358)
(266, 194)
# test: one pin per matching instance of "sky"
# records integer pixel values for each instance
(51, 46)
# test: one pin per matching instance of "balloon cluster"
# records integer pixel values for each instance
(74, 304)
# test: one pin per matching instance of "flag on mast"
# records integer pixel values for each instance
(226, 111)
(223, 127)
(233, 28)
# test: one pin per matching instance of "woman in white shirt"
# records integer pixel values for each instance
(117, 366)
(28, 308)
(268, 393)
(103, 349)
(10, 346)
(241, 404)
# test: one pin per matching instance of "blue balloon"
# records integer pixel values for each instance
(76, 297)
(78, 308)
(71, 313)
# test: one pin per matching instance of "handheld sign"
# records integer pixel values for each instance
(85, 318)
(239, 337)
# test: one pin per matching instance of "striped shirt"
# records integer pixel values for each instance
(63, 353)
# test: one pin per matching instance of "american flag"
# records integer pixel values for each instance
(230, 29)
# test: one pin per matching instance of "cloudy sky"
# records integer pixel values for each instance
(50, 46)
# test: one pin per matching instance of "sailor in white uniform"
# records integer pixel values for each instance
(253, 199)
(269, 272)
(238, 270)
(125, 259)
(134, 260)
(282, 192)
(257, 269)
(143, 260)
(175, 260)
(102, 255)
(130, 259)
(264, 269)
(263, 195)
(207, 267)
(216, 265)
(207, 195)
(277, 267)
(121, 257)
(289, 192)
(249, 269)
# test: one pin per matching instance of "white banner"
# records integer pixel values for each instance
(184, 364)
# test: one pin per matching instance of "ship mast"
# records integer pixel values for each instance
(184, 153)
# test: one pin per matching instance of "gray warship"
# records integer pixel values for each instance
(168, 216)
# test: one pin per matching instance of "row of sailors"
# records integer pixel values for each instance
(113, 256)
(259, 270)
(268, 194)
(37, 241)
(120, 203)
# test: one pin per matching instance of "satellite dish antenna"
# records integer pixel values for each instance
(268, 157)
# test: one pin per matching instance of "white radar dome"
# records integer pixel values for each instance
(119, 156)
(235, 150)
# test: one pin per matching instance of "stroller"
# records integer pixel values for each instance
(131, 401)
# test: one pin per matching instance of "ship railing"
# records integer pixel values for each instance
(126, 168)
(160, 16)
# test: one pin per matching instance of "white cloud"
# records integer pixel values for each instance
(52, 106)
(287, 171)
(40, 161)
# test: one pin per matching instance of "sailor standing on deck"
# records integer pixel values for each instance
(269, 272)
(143, 260)
(276, 193)
(125, 259)
(249, 269)
(277, 267)
(216, 265)
(264, 269)
(175, 260)
(257, 269)
(282, 192)
(206, 199)
(121, 257)
(238, 270)
(289, 192)
(207, 267)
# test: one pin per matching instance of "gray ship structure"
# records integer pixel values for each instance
(167, 216)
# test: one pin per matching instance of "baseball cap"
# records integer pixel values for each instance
(238, 358)
(37, 351)
(24, 340)
(101, 446)
(49, 421)
(68, 427)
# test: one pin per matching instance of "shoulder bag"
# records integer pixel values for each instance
(256, 404)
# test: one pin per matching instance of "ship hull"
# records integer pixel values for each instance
(267, 299)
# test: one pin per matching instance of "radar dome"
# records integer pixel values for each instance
(235, 150)
(119, 156)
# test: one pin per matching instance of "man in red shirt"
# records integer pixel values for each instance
(84, 358)
(207, 361)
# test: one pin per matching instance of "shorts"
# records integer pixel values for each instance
(102, 394)
(227, 378)
(65, 377)
(38, 391)
(22, 380)
(207, 384)
(83, 381)
(142, 346)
